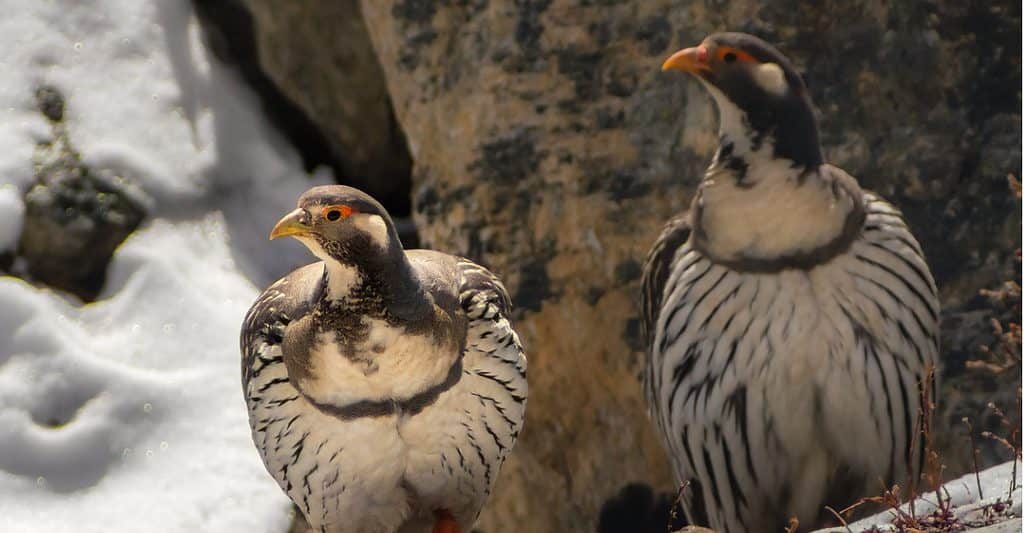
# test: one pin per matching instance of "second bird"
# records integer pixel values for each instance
(790, 315)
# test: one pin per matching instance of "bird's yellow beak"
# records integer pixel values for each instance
(693, 60)
(291, 224)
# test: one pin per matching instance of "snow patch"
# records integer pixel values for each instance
(127, 414)
(967, 504)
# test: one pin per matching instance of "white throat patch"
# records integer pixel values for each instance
(731, 119)
(340, 278)
(770, 77)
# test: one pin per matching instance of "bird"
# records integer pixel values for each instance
(790, 316)
(385, 387)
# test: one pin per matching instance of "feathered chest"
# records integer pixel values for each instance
(719, 320)
(358, 331)
(797, 325)
(868, 291)
(342, 355)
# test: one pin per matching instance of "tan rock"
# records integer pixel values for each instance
(533, 157)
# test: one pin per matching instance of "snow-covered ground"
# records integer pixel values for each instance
(127, 414)
(972, 498)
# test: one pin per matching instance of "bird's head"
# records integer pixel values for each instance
(341, 223)
(760, 96)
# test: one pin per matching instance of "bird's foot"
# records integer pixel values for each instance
(445, 522)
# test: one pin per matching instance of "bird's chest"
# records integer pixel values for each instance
(782, 330)
(775, 215)
(368, 359)
(804, 327)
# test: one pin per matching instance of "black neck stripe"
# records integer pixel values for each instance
(378, 408)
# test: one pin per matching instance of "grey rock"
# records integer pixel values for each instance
(50, 103)
(972, 395)
(75, 216)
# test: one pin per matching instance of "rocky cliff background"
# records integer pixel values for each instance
(539, 138)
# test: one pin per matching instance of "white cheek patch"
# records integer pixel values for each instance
(374, 226)
(770, 77)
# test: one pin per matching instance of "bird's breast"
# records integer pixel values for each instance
(384, 363)
(775, 215)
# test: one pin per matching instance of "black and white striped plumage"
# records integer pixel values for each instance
(385, 387)
(790, 316)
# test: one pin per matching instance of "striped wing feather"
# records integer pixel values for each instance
(490, 400)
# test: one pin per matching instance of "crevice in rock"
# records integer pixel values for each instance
(638, 509)
(230, 32)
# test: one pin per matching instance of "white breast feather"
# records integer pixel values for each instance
(405, 366)
(790, 218)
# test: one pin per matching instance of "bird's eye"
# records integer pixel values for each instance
(336, 212)
(729, 57)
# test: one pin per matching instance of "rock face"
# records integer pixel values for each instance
(320, 56)
(548, 146)
(75, 216)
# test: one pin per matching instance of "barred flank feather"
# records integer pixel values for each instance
(775, 392)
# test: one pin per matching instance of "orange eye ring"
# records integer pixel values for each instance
(336, 212)
(727, 54)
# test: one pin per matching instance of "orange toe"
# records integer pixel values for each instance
(445, 522)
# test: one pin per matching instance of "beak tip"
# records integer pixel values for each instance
(691, 60)
(289, 225)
